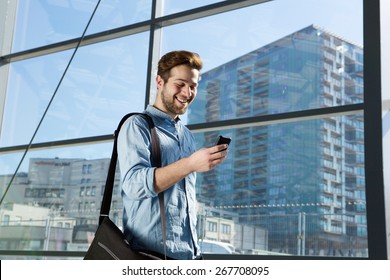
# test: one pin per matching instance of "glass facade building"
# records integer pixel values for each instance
(283, 177)
(297, 85)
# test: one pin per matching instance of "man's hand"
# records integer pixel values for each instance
(206, 159)
(201, 161)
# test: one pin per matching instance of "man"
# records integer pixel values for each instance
(177, 81)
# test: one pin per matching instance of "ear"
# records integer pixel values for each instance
(159, 81)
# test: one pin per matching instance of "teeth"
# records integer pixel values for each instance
(181, 100)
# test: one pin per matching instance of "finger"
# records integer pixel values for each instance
(217, 162)
(220, 147)
(219, 156)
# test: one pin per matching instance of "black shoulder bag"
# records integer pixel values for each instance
(109, 242)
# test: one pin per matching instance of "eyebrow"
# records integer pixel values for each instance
(186, 81)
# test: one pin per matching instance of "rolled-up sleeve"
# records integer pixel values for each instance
(137, 174)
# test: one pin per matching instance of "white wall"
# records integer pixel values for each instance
(385, 65)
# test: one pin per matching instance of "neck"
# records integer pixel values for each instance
(174, 117)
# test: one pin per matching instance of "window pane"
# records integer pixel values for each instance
(60, 191)
(41, 23)
(104, 82)
(295, 188)
(8, 165)
(176, 6)
(253, 68)
(280, 181)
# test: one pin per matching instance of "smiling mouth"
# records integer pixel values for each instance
(182, 101)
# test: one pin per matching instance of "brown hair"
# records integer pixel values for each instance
(175, 58)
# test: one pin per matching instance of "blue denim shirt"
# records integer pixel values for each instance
(141, 217)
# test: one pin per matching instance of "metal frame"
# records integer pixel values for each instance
(375, 196)
(149, 25)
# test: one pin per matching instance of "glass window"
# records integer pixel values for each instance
(176, 6)
(104, 82)
(225, 229)
(5, 220)
(294, 182)
(40, 23)
(254, 68)
(212, 226)
(93, 191)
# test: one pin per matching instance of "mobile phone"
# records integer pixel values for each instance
(223, 140)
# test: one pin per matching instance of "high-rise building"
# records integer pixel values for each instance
(304, 180)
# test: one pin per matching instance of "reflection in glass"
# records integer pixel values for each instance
(41, 23)
(54, 197)
(104, 82)
(295, 188)
(307, 69)
(226, 36)
(176, 6)
(298, 187)
(30, 86)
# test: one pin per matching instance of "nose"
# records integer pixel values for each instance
(188, 91)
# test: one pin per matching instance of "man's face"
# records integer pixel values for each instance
(176, 94)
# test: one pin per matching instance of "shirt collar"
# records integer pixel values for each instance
(158, 113)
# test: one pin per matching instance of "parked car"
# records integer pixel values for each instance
(215, 247)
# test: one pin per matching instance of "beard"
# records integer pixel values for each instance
(171, 104)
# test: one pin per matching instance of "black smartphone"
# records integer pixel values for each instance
(223, 140)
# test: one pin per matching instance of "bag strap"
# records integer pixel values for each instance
(156, 162)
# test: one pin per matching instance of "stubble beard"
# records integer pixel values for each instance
(170, 106)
